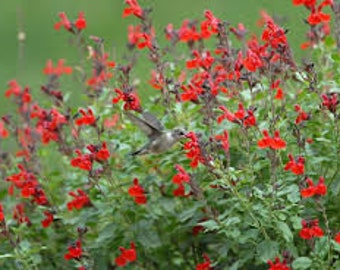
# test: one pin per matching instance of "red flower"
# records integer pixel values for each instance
(194, 150)
(127, 255)
(330, 101)
(28, 184)
(87, 118)
(137, 191)
(224, 138)
(320, 189)
(58, 70)
(80, 23)
(206, 265)
(252, 61)
(241, 116)
(274, 143)
(64, 22)
(337, 238)
(181, 177)
(310, 229)
(277, 265)
(210, 25)
(74, 251)
(2, 215)
(103, 153)
(3, 131)
(80, 200)
(273, 35)
(302, 115)
(133, 9)
(131, 100)
(295, 166)
(188, 32)
(83, 162)
(48, 219)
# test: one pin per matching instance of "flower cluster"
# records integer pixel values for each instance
(295, 166)
(241, 116)
(312, 190)
(278, 265)
(74, 251)
(137, 192)
(81, 199)
(310, 229)
(127, 255)
(271, 142)
(179, 179)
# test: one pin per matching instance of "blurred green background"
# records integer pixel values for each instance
(37, 17)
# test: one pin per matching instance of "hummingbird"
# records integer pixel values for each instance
(160, 140)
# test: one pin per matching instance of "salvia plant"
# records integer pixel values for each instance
(236, 150)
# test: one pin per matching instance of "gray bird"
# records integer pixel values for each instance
(160, 140)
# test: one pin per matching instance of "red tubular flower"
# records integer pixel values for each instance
(273, 35)
(265, 142)
(310, 229)
(127, 255)
(87, 118)
(83, 162)
(188, 32)
(277, 265)
(311, 190)
(133, 9)
(330, 101)
(28, 184)
(181, 177)
(295, 166)
(241, 116)
(274, 143)
(2, 215)
(80, 23)
(74, 251)
(64, 22)
(131, 100)
(210, 25)
(224, 138)
(194, 150)
(302, 115)
(103, 153)
(81, 199)
(337, 238)
(48, 219)
(252, 61)
(3, 131)
(137, 192)
(277, 142)
(58, 70)
(206, 265)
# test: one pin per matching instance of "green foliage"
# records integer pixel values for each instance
(245, 166)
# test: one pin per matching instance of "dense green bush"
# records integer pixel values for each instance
(253, 184)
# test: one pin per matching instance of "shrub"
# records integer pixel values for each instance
(254, 184)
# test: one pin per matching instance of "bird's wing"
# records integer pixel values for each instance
(150, 129)
(153, 121)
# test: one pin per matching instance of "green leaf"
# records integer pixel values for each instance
(302, 263)
(285, 230)
(210, 225)
(267, 250)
